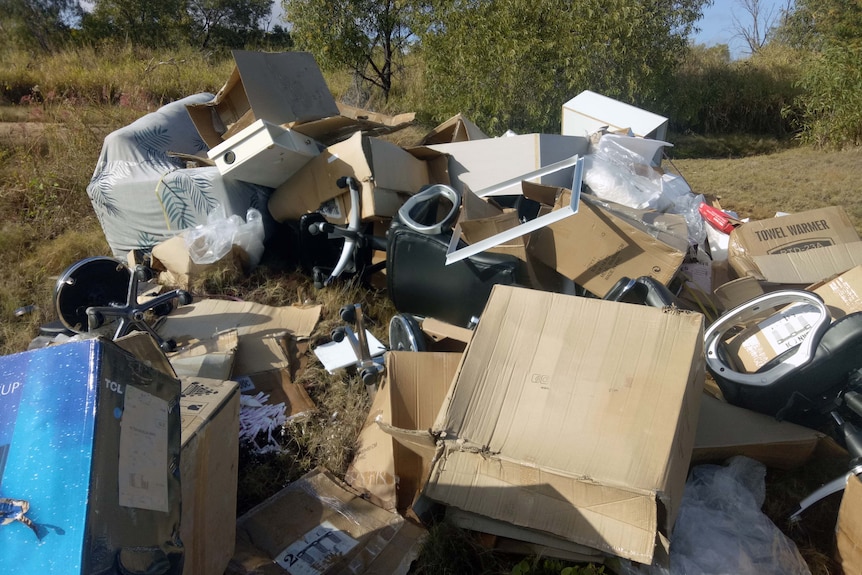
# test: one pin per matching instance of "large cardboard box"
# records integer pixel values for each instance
(575, 417)
(480, 164)
(281, 88)
(263, 153)
(589, 112)
(317, 526)
(596, 248)
(387, 173)
(800, 249)
(90, 440)
(208, 468)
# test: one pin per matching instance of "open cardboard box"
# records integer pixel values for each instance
(282, 88)
(387, 174)
(796, 249)
(616, 386)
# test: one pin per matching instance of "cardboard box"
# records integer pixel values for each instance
(172, 260)
(276, 383)
(479, 164)
(209, 463)
(281, 88)
(596, 248)
(848, 530)
(350, 120)
(90, 439)
(409, 397)
(785, 329)
(262, 329)
(575, 417)
(387, 173)
(455, 129)
(317, 526)
(264, 154)
(589, 112)
(801, 248)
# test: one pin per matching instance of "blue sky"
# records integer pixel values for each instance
(717, 23)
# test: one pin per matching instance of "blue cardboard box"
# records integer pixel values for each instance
(89, 463)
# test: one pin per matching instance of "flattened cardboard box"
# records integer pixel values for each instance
(209, 462)
(315, 526)
(575, 417)
(280, 88)
(387, 174)
(258, 326)
(801, 248)
(725, 430)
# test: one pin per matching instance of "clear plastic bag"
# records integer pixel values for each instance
(720, 529)
(617, 172)
(210, 242)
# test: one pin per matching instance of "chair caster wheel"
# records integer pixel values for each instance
(95, 320)
(168, 345)
(164, 309)
(348, 313)
(368, 376)
(338, 334)
(184, 297)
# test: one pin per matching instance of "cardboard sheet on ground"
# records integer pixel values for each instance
(256, 324)
(454, 255)
(211, 358)
(315, 526)
(340, 354)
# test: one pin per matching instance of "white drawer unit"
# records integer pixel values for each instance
(264, 154)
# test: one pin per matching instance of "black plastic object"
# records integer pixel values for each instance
(645, 290)
(89, 282)
(88, 295)
(405, 334)
(810, 391)
(419, 281)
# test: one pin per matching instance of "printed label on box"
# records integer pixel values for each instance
(787, 329)
(143, 465)
(10, 398)
(316, 551)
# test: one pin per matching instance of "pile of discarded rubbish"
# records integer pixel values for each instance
(578, 333)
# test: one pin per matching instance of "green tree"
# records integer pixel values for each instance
(513, 63)
(45, 24)
(366, 36)
(226, 22)
(144, 22)
(829, 34)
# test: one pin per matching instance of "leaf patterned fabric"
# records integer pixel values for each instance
(142, 196)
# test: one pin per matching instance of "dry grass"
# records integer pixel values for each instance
(790, 181)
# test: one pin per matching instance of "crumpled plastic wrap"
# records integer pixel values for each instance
(720, 529)
(212, 241)
(615, 172)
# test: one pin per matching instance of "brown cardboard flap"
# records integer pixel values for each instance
(724, 430)
(849, 528)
